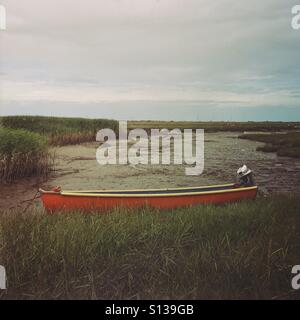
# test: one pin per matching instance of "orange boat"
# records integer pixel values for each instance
(104, 200)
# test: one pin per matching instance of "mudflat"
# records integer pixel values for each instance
(76, 168)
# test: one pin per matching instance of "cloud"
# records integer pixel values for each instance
(96, 93)
(225, 52)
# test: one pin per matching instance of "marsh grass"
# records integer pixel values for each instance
(23, 154)
(215, 126)
(24, 142)
(242, 250)
(285, 144)
(60, 131)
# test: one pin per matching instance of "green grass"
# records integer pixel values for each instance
(22, 154)
(241, 250)
(24, 141)
(215, 126)
(287, 144)
(63, 131)
(60, 131)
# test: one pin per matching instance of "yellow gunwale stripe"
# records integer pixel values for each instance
(111, 195)
(147, 190)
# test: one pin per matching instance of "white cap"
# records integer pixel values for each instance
(243, 171)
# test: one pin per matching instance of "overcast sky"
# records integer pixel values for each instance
(151, 59)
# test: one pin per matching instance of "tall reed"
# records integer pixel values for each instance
(60, 131)
(23, 154)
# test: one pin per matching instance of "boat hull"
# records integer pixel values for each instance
(73, 201)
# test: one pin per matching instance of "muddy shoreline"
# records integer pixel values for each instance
(76, 168)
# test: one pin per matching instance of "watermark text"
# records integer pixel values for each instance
(296, 17)
(162, 147)
(2, 17)
(296, 278)
(2, 278)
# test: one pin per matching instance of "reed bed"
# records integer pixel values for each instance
(285, 144)
(60, 131)
(236, 251)
(24, 142)
(216, 126)
(23, 154)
